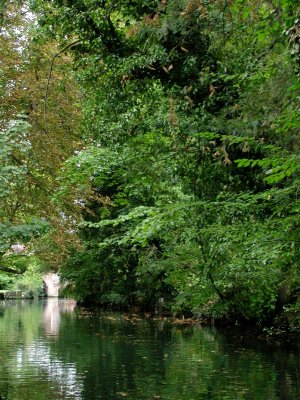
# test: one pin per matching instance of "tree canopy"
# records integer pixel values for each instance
(163, 149)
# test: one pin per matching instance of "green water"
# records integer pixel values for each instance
(51, 350)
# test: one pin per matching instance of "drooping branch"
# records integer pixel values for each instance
(49, 78)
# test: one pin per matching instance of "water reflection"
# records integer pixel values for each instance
(51, 317)
(29, 368)
(51, 314)
(51, 351)
(38, 357)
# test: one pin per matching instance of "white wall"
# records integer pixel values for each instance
(52, 284)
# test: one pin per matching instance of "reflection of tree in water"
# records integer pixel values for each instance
(287, 367)
(116, 356)
(87, 356)
(261, 371)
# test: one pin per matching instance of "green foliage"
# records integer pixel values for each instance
(14, 147)
(6, 281)
(31, 282)
(186, 188)
(31, 133)
(16, 227)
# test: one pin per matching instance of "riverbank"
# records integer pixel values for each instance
(11, 294)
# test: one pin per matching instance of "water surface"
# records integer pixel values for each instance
(51, 351)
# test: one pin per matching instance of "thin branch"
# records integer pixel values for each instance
(49, 78)
(219, 293)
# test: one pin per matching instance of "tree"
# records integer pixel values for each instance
(186, 187)
(31, 154)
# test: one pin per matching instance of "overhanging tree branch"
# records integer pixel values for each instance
(49, 78)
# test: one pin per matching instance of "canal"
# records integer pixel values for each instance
(51, 350)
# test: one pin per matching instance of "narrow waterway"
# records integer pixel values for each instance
(51, 350)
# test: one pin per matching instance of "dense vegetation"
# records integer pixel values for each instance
(150, 152)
